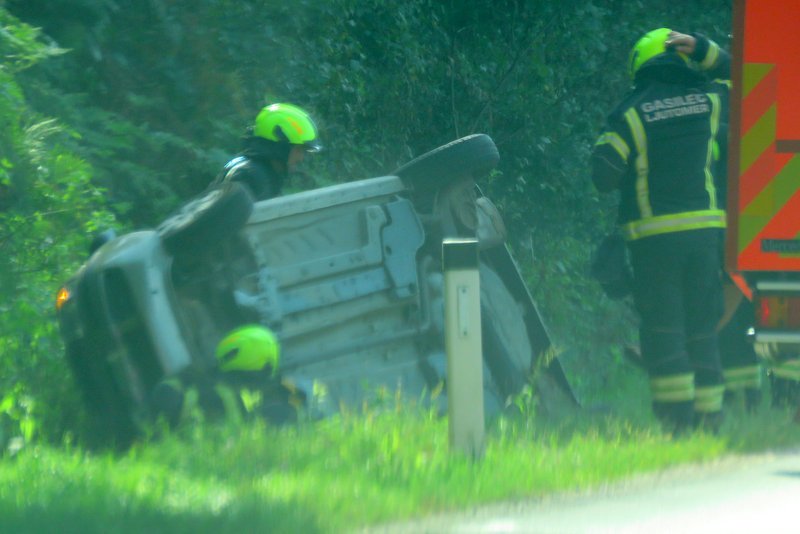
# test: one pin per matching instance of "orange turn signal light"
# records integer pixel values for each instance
(61, 297)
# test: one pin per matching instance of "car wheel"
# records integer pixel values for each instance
(207, 220)
(467, 157)
(507, 349)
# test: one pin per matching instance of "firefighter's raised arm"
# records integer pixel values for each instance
(707, 55)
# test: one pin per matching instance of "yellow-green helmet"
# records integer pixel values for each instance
(248, 348)
(651, 45)
(286, 123)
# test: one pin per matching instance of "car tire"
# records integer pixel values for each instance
(467, 157)
(507, 349)
(207, 220)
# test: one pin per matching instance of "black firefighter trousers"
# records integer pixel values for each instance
(678, 294)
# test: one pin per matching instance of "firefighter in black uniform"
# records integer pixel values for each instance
(741, 367)
(740, 364)
(277, 142)
(658, 150)
(244, 384)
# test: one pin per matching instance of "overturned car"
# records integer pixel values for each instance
(349, 277)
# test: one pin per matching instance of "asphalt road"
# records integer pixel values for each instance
(752, 494)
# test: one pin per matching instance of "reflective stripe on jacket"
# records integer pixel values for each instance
(659, 147)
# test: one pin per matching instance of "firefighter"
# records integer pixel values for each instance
(276, 143)
(245, 383)
(657, 150)
(741, 367)
(784, 377)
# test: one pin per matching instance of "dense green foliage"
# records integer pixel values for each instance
(117, 109)
(48, 205)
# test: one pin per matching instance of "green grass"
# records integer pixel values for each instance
(341, 473)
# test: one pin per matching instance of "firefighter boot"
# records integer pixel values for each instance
(752, 399)
(709, 422)
(785, 392)
(677, 418)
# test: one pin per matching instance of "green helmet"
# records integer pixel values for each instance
(248, 348)
(651, 45)
(285, 123)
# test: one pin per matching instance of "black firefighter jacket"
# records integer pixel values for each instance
(661, 144)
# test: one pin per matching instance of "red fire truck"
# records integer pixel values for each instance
(763, 240)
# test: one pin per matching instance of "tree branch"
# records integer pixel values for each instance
(520, 52)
